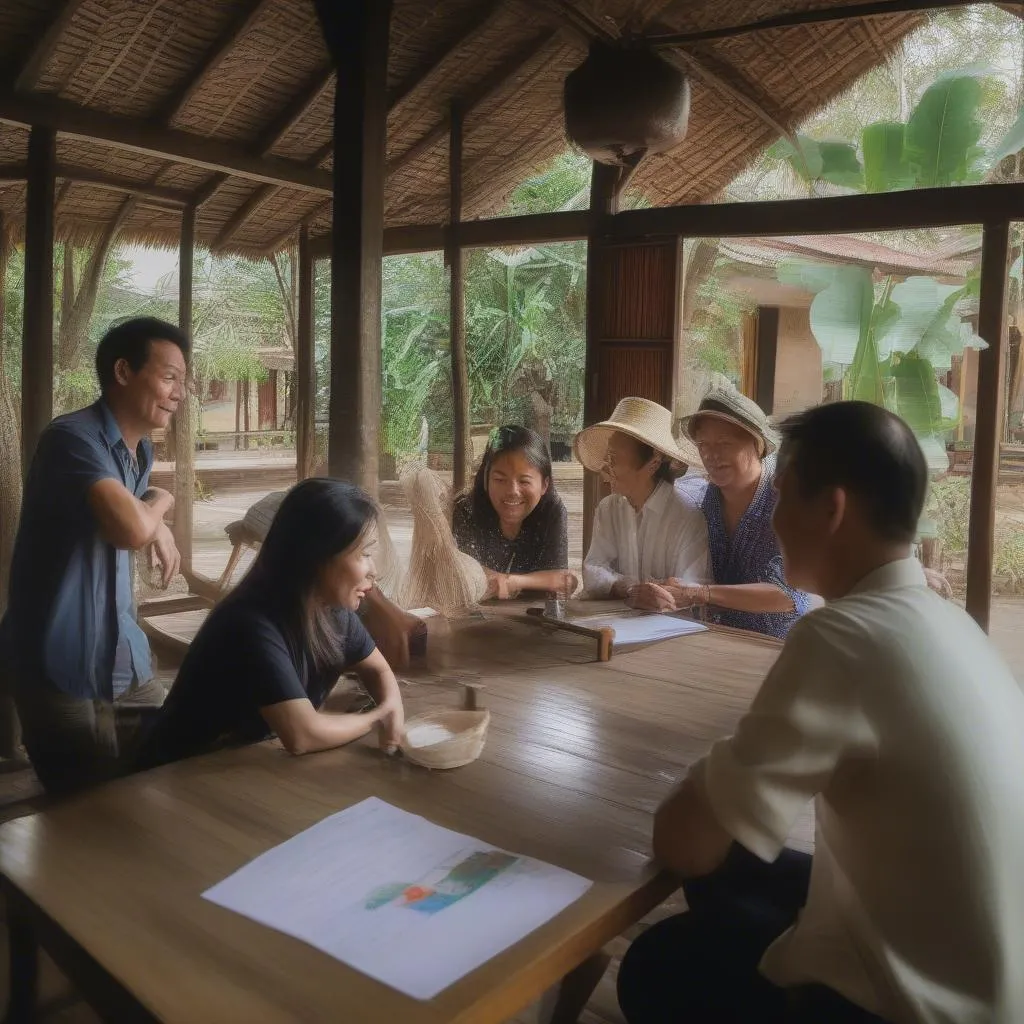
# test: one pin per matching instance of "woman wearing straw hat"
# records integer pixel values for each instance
(644, 532)
(737, 446)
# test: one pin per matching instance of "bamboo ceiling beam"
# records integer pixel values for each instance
(90, 176)
(276, 131)
(845, 12)
(716, 74)
(412, 82)
(396, 97)
(321, 154)
(278, 243)
(140, 136)
(39, 55)
(473, 98)
(235, 222)
(294, 112)
(479, 23)
(582, 25)
(239, 26)
(479, 94)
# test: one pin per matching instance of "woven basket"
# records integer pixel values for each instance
(470, 728)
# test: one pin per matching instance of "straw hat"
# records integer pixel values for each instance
(647, 422)
(729, 405)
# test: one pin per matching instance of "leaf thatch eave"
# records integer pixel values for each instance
(255, 74)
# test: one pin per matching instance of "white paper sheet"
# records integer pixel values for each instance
(381, 890)
(638, 629)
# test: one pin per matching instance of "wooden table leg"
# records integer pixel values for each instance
(24, 967)
(565, 1003)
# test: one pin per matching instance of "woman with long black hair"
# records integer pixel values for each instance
(270, 652)
(512, 520)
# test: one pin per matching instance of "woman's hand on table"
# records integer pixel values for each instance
(570, 583)
(688, 595)
(390, 726)
(650, 597)
(501, 585)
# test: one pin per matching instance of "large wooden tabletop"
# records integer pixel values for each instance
(577, 758)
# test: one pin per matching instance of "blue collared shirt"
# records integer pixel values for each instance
(750, 555)
(70, 619)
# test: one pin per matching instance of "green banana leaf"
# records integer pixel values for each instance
(840, 315)
(805, 160)
(916, 397)
(840, 165)
(885, 165)
(928, 324)
(943, 131)
(812, 277)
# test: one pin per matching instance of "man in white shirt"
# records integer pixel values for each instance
(892, 711)
(645, 533)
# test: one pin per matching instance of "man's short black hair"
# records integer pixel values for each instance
(130, 340)
(866, 450)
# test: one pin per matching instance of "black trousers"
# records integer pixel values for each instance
(701, 966)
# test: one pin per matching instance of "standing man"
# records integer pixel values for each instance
(79, 663)
(892, 711)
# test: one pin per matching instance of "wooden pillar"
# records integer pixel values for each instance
(305, 363)
(995, 247)
(462, 448)
(184, 420)
(766, 346)
(357, 36)
(37, 333)
(603, 180)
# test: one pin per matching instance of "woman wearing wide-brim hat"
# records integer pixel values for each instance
(737, 445)
(644, 532)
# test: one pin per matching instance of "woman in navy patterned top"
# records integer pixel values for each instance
(737, 446)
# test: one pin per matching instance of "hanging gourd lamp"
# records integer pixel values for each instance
(625, 102)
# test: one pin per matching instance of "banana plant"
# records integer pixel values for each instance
(890, 339)
(937, 146)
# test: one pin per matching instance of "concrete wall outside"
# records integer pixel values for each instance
(798, 371)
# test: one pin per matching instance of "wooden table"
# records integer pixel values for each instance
(577, 758)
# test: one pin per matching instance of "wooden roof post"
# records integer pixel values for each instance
(462, 447)
(184, 421)
(995, 249)
(305, 363)
(37, 331)
(603, 181)
(357, 36)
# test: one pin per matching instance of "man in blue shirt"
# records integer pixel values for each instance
(80, 664)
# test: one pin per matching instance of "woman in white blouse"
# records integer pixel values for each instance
(645, 532)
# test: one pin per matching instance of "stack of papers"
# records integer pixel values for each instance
(640, 629)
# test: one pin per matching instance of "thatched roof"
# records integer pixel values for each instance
(236, 81)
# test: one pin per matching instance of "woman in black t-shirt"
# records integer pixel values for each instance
(268, 655)
(512, 521)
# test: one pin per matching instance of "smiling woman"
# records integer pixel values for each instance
(749, 589)
(270, 653)
(512, 521)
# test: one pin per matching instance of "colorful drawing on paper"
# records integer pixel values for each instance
(443, 886)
